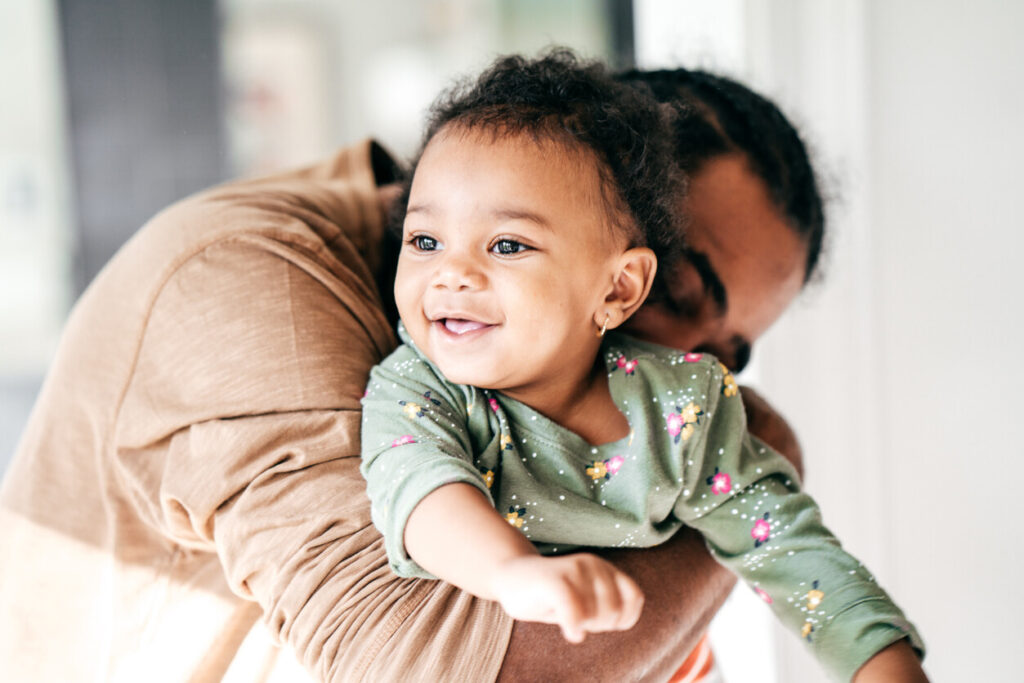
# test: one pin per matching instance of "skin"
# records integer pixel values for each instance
(507, 237)
(746, 267)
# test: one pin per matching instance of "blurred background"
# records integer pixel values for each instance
(897, 369)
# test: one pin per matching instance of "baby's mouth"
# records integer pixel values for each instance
(461, 326)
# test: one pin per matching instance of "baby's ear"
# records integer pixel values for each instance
(632, 283)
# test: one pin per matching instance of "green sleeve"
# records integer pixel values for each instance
(414, 439)
(746, 501)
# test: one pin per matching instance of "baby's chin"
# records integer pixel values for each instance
(459, 373)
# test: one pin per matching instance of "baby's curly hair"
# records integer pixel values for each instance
(560, 98)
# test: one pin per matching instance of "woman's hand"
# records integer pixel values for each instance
(895, 664)
(580, 593)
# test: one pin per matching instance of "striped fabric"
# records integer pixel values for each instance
(699, 667)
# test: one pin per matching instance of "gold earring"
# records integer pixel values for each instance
(604, 327)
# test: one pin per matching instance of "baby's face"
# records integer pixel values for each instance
(507, 259)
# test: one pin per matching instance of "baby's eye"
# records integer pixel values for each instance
(423, 242)
(508, 247)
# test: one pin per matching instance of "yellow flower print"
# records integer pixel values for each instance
(489, 478)
(505, 442)
(729, 386)
(805, 632)
(516, 516)
(814, 597)
(598, 470)
(412, 410)
(691, 413)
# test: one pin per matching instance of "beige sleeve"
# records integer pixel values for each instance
(239, 434)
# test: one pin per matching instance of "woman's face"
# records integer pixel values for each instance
(745, 266)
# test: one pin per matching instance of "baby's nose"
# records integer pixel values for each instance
(459, 271)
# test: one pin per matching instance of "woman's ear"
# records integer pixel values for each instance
(630, 286)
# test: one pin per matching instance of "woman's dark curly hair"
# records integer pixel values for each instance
(560, 98)
(719, 116)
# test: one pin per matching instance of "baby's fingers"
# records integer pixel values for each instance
(632, 601)
(618, 601)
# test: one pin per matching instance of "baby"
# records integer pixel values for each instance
(515, 426)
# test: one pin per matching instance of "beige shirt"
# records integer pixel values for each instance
(192, 463)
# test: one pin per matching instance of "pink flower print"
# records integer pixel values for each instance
(692, 357)
(720, 482)
(403, 440)
(763, 595)
(675, 425)
(493, 403)
(628, 365)
(614, 464)
(762, 531)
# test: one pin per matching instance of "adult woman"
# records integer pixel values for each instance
(200, 424)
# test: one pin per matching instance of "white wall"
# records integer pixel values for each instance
(35, 233)
(898, 371)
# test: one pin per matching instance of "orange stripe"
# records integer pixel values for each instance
(697, 664)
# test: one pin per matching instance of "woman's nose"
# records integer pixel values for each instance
(459, 271)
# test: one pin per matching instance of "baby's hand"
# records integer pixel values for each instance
(581, 593)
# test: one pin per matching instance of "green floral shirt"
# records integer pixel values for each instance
(688, 459)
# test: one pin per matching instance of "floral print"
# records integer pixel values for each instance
(411, 410)
(505, 442)
(761, 593)
(488, 475)
(628, 365)
(729, 386)
(516, 516)
(720, 482)
(598, 470)
(806, 630)
(692, 357)
(605, 469)
(814, 597)
(762, 531)
(493, 403)
(403, 440)
(680, 424)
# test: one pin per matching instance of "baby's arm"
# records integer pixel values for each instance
(434, 508)
(746, 501)
(456, 534)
